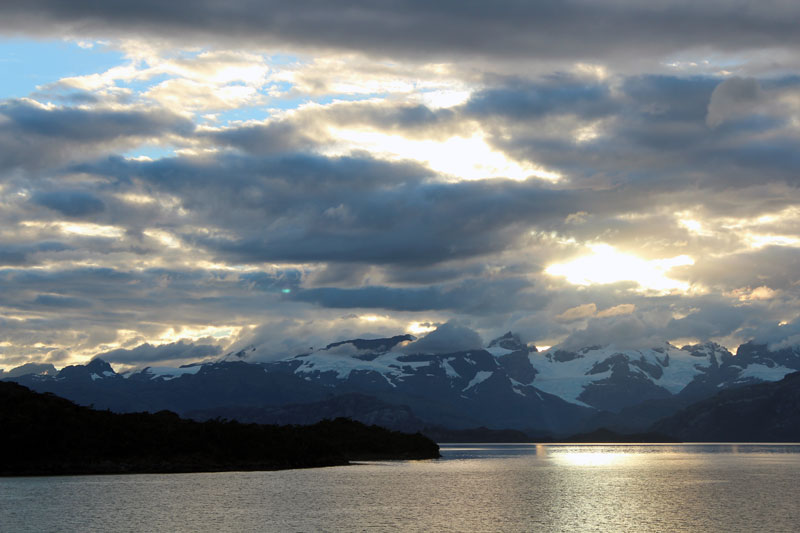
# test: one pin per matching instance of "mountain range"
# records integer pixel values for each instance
(506, 385)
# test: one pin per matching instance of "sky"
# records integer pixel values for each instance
(177, 183)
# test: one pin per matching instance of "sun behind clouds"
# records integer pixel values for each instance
(607, 265)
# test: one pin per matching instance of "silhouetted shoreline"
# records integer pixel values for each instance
(46, 435)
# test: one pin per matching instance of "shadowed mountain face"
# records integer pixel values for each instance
(766, 412)
(362, 408)
(386, 381)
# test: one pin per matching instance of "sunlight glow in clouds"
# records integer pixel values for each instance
(695, 227)
(418, 328)
(195, 333)
(164, 237)
(468, 158)
(370, 318)
(760, 241)
(85, 229)
(444, 98)
(607, 265)
(165, 151)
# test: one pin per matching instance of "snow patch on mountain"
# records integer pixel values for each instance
(449, 371)
(567, 374)
(499, 351)
(764, 372)
(168, 372)
(564, 379)
(389, 364)
(480, 377)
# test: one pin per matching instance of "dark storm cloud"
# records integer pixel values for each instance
(731, 97)
(32, 289)
(147, 353)
(15, 254)
(88, 125)
(415, 275)
(62, 302)
(659, 134)
(34, 136)
(560, 94)
(70, 203)
(152, 294)
(285, 280)
(12, 256)
(434, 29)
(477, 296)
(669, 98)
(309, 208)
(273, 138)
(713, 319)
(282, 176)
(413, 120)
(776, 267)
(776, 335)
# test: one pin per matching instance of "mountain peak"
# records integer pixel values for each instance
(509, 341)
(705, 349)
(375, 345)
(98, 366)
(46, 369)
(239, 355)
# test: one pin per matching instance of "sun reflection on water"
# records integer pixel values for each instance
(591, 458)
(585, 456)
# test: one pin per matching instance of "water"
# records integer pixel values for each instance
(473, 488)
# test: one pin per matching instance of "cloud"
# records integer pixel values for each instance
(449, 337)
(629, 331)
(524, 100)
(411, 28)
(34, 136)
(272, 138)
(70, 203)
(65, 302)
(577, 313)
(714, 319)
(477, 296)
(777, 336)
(14, 254)
(342, 209)
(733, 97)
(147, 353)
(617, 310)
(209, 183)
(770, 266)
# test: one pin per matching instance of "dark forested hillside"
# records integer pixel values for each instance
(45, 435)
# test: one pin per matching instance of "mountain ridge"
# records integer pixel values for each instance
(507, 385)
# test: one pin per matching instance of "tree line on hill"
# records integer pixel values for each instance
(48, 435)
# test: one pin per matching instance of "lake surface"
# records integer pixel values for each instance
(511, 487)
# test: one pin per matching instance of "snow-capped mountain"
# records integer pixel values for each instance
(611, 379)
(506, 385)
